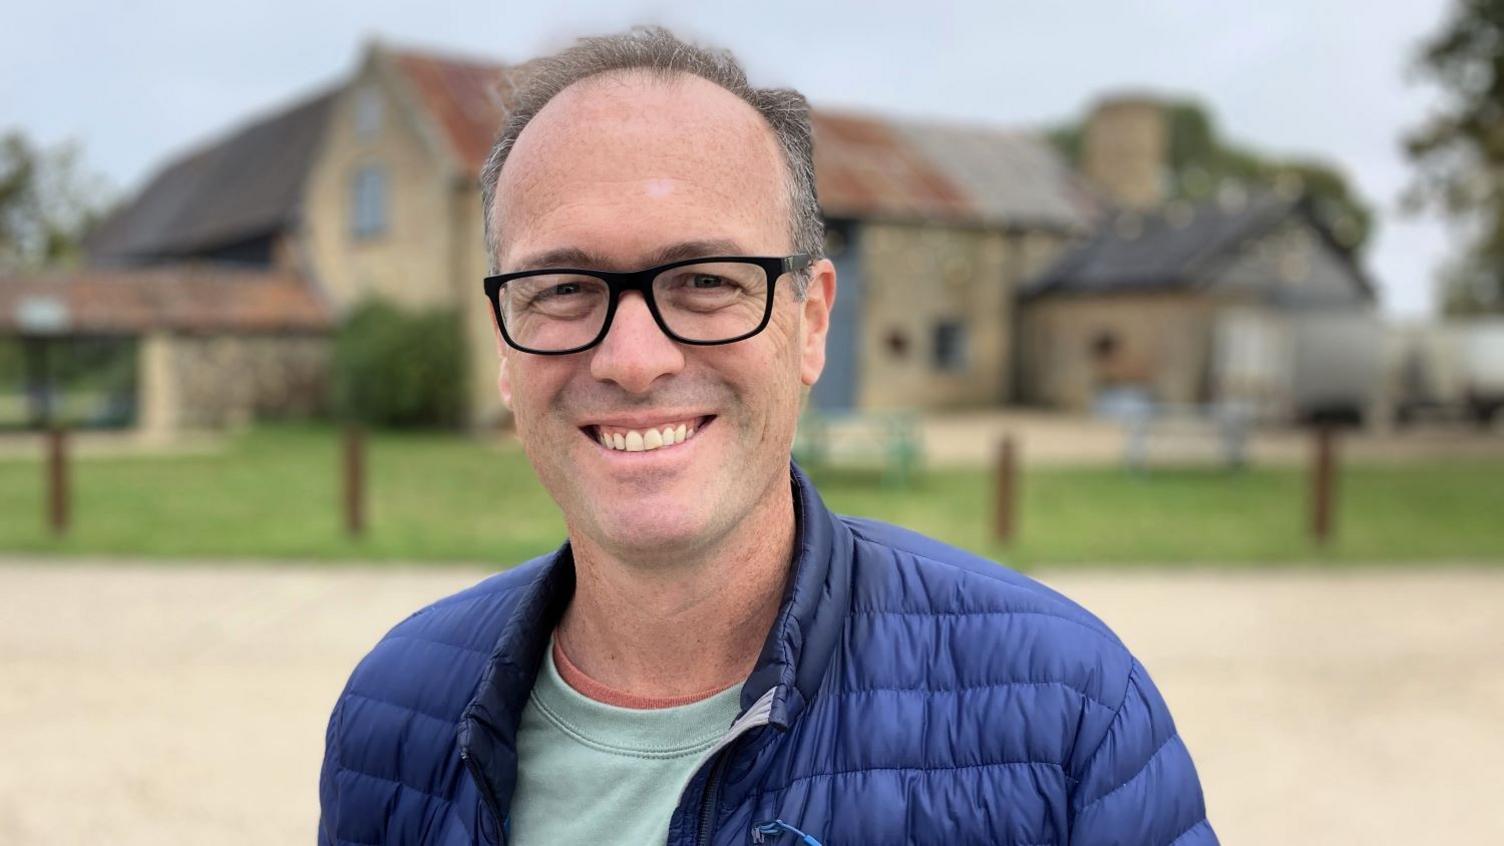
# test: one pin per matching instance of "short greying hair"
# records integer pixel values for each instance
(658, 52)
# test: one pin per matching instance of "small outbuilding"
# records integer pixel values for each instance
(170, 347)
(1247, 298)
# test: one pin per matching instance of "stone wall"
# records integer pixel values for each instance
(481, 337)
(1073, 347)
(918, 277)
(210, 381)
(411, 261)
(432, 253)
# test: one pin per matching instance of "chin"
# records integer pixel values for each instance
(652, 537)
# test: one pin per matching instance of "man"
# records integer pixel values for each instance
(713, 657)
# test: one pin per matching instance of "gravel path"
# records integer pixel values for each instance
(970, 439)
(167, 704)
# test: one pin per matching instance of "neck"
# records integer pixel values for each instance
(679, 628)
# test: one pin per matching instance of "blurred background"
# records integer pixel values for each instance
(1195, 314)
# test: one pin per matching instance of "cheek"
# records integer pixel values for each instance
(535, 386)
(770, 378)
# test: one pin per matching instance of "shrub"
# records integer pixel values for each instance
(394, 368)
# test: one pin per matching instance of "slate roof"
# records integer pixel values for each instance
(1170, 248)
(250, 184)
(246, 186)
(182, 297)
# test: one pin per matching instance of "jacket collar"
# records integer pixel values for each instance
(792, 663)
(798, 648)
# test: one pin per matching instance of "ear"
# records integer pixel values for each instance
(503, 377)
(504, 383)
(819, 299)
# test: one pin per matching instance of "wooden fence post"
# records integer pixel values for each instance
(57, 480)
(1323, 484)
(354, 477)
(1006, 492)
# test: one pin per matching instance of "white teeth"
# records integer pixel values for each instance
(646, 440)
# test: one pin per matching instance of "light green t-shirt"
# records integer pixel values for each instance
(588, 772)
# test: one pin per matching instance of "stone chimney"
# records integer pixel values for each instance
(1124, 150)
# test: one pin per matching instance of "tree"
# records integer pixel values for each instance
(48, 202)
(1460, 150)
(1200, 163)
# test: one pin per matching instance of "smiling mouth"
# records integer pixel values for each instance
(667, 434)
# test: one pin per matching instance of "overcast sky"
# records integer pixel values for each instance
(139, 81)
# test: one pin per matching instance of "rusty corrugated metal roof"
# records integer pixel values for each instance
(863, 168)
(1009, 177)
(866, 166)
(464, 97)
(878, 167)
(187, 298)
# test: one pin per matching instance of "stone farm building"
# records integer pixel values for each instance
(975, 266)
(1187, 302)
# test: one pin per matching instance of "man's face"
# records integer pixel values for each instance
(624, 172)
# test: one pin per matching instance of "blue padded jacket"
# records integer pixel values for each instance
(908, 693)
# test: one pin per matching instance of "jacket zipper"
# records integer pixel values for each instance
(485, 795)
(758, 715)
(712, 798)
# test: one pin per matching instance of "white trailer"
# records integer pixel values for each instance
(1448, 369)
(1287, 365)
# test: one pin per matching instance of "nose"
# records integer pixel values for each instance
(635, 352)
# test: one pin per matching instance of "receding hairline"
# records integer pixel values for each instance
(663, 55)
(662, 78)
(650, 77)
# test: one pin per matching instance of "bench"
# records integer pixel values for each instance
(1230, 424)
(889, 439)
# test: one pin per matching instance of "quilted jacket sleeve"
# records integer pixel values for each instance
(1138, 786)
(328, 787)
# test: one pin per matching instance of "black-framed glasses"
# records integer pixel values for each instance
(702, 301)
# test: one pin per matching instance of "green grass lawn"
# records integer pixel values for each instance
(274, 494)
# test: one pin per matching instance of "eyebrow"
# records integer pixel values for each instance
(575, 257)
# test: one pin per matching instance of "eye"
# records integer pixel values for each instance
(707, 281)
(558, 295)
(563, 289)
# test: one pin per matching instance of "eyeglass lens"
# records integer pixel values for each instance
(711, 301)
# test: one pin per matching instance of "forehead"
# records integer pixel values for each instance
(625, 162)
